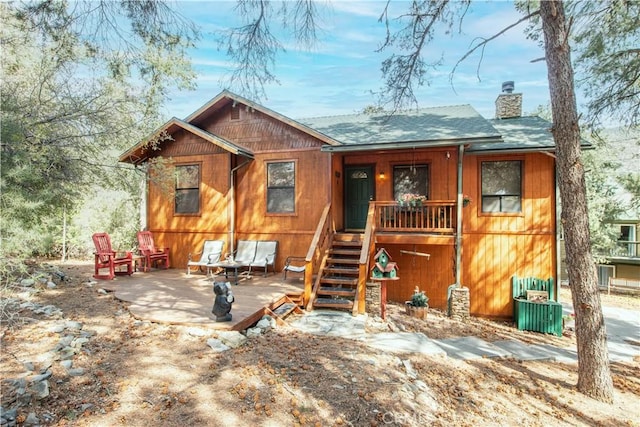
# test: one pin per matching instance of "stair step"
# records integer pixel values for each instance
(336, 291)
(284, 309)
(333, 303)
(342, 261)
(340, 251)
(343, 281)
(341, 270)
(347, 243)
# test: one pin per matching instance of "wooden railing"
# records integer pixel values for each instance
(366, 254)
(627, 249)
(431, 216)
(317, 254)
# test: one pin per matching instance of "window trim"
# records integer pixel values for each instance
(408, 165)
(175, 187)
(522, 185)
(295, 187)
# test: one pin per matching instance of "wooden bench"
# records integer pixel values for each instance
(534, 308)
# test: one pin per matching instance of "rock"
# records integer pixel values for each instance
(254, 332)
(102, 291)
(39, 378)
(426, 400)
(264, 324)
(67, 353)
(79, 342)
(197, 332)
(411, 373)
(232, 339)
(64, 342)
(217, 345)
(8, 415)
(67, 364)
(76, 372)
(57, 328)
(71, 324)
(32, 420)
(29, 366)
(27, 283)
(41, 389)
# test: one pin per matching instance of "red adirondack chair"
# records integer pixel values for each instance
(151, 254)
(106, 257)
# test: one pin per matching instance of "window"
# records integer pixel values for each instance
(187, 189)
(281, 187)
(410, 179)
(604, 273)
(502, 186)
(627, 241)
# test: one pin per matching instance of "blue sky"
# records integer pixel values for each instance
(339, 74)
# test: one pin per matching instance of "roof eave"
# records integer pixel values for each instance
(408, 144)
(127, 156)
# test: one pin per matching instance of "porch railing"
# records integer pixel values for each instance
(317, 254)
(627, 248)
(431, 216)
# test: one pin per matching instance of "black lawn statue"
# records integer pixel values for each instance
(222, 303)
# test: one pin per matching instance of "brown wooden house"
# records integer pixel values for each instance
(327, 189)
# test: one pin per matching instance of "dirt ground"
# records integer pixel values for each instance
(145, 374)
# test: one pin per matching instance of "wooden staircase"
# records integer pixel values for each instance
(339, 277)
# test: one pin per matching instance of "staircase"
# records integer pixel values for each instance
(339, 278)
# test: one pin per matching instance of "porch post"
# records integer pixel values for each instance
(459, 217)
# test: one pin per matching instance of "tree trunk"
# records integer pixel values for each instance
(594, 376)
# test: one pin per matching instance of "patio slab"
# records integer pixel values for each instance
(170, 296)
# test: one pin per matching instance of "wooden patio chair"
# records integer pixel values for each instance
(210, 255)
(151, 254)
(106, 257)
(266, 251)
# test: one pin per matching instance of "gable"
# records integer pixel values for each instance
(257, 131)
(187, 144)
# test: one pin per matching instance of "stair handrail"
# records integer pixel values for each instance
(317, 250)
(367, 252)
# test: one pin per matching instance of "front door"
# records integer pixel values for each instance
(359, 188)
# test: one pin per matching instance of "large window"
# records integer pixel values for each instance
(502, 186)
(281, 187)
(187, 189)
(410, 179)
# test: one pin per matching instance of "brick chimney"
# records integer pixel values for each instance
(508, 104)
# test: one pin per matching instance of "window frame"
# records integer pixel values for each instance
(481, 210)
(294, 212)
(426, 165)
(177, 189)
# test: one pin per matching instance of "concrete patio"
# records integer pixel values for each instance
(173, 297)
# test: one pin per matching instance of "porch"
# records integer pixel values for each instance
(172, 297)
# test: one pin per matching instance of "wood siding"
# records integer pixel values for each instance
(497, 246)
(270, 140)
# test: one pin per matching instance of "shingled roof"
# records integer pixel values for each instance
(420, 128)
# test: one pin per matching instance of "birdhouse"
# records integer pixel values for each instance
(383, 267)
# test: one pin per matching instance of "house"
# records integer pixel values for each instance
(619, 266)
(327, 188)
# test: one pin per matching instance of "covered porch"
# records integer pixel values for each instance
(172, 297)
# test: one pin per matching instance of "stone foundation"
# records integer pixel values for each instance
(459, 304)
(372, 299)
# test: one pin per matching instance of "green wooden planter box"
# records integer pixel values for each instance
(537, 316)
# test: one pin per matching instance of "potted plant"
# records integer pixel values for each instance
(410, 199)
(418, 305)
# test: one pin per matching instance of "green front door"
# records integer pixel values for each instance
(359, 188)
